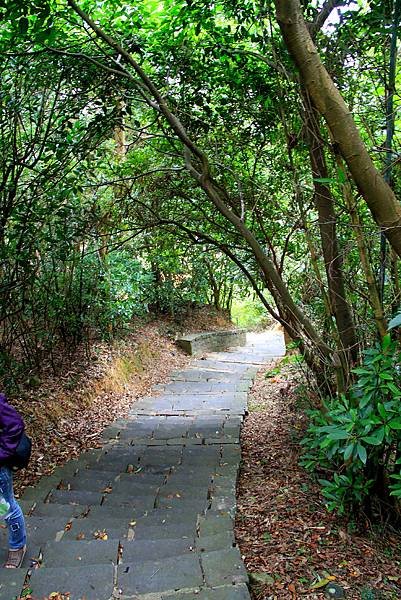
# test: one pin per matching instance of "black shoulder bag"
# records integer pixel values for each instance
(20, 458)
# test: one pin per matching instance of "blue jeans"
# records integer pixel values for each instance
(14, 517)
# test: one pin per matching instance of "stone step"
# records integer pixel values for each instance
(61, 511)
(219, 365)
(73, 553)
(87, 481)
(141, 550)
(92, 527)
(135, 502)
(79, 582)
(75, 497)
(32, 553)
(42, 529)
(223, 567)
(179, 529)
(161, 517)
(11, 583)
(201, 388)
(197, 374)
(148, 577)
(218, 541)
(226, 592)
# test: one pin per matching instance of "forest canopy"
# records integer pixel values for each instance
(156, 154)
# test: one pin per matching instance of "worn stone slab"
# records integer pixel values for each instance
(197, 374)
(104, 512)
(226, 592)
(183, 477)
(72, 553)
(202, 387)
(42, 529)
(201, 505)
(32, 553)
(173, 430)
(162, 517)
(62, 511)
(222, 567)
(40, 492)
(165, 531)
(11, 583)
(90, 527)
(157, 576)
(141, 477)
(218, 365)
(116, 464)
(219, 541)
(87, 482)
(226, 503)
(75, 497)
(81, 583)
(134, 488)
(26, 506)
(184, 489)
(136, 503)
(143, 550)
(216, 523)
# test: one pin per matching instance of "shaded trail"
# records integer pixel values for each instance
(150, 515)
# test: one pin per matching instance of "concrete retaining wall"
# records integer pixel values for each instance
(211, 341)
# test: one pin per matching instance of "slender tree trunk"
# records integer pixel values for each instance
(327, 225)
(390, 125)
(374, 297)
(380, 198)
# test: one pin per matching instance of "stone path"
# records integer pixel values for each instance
(150, 515)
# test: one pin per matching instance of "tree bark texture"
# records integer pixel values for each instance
(333, 263)
(380, 198)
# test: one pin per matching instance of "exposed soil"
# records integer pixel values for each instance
(290, 543)
(66, 413)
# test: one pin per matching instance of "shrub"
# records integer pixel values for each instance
(357, 437)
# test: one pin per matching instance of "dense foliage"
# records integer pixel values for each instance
(156, 155)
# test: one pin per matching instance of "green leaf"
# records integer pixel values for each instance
(373, 440)
(382, 411)
(338, 435)
(395, 321)
(394, 389)
(361, 450)
(342, 177)
(23, 25)
(348, 451)
(323, 180)
(395, 423)
(361, 371)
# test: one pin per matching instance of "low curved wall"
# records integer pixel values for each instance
(211, 341)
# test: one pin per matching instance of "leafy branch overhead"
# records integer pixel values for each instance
(155, 156)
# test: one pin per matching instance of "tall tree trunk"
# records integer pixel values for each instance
(390, 125)
(374, 297)
(333, 263)
(380, 198)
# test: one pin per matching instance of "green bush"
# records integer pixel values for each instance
(357, 436)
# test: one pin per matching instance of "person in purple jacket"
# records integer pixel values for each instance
(11, 429)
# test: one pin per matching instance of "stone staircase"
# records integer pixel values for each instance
(149, 515)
